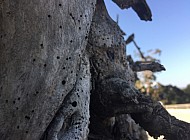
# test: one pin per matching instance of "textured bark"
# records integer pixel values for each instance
(113, 91)
(106, 47)
(49, 62)
(147, 65)
(74, 110)
(139, 6)
(159, 122)
(42, 43)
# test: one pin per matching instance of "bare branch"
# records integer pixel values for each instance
(131, 39)
(139, 6)
(147, 65)
(122, 98)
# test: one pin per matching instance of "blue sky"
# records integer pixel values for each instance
(169, 31)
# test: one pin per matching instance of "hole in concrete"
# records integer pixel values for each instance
(60, 4)
(58, 57)
(49, 16)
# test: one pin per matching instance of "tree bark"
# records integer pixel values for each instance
(113, 91)
(53, 57)
(42, 65)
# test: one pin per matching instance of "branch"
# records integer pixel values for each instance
(118, 97)
(144, 65)
(139, 6)
(139, 49)
(131, 39)
(160, 122)
(147, 65)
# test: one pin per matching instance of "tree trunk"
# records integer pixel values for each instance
(53, 57)
(43, 66)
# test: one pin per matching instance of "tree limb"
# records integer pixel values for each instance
(118, 97)
(113, 92)
(147, 65)
(139, 6)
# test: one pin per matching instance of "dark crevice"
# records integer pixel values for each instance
(27, 117)
(63, 82)
(74, 104)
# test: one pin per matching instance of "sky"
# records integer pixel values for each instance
(168, 31)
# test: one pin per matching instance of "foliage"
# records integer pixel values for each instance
(166, 94)
(173, 95)
(187, 89)
(148, 78)
(147, 83)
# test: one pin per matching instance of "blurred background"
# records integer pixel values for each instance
(165, 39)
